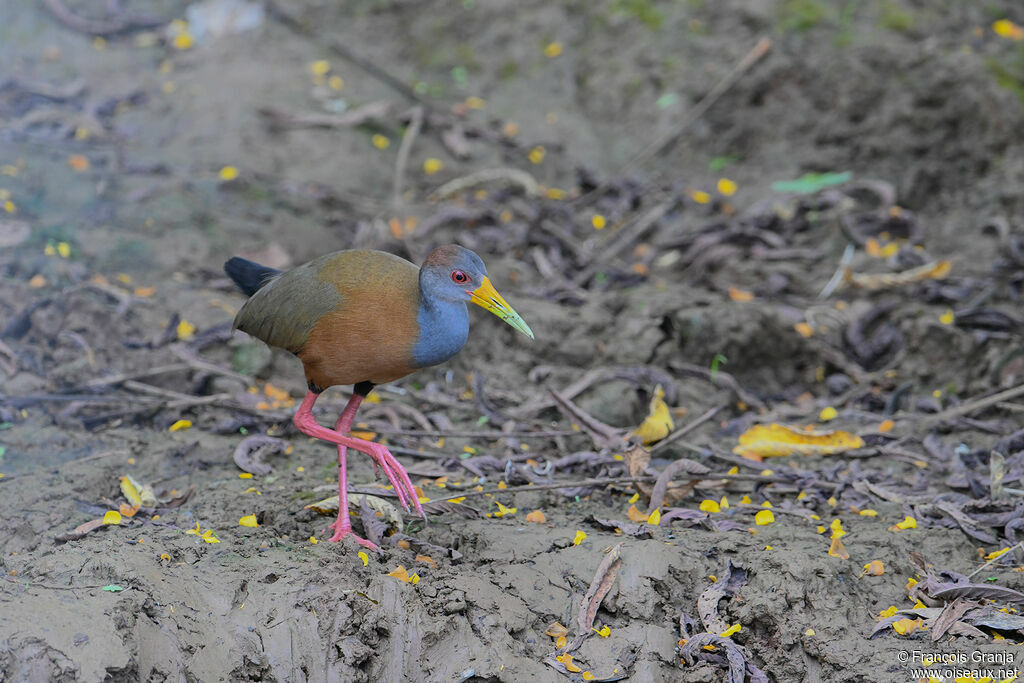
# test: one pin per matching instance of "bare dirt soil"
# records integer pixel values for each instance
(617, 165)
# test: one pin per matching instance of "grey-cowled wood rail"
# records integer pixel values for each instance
(365, 318)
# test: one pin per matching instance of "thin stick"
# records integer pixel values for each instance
(123, 376)
(837, 277)
(679, 433)
(510, 176)
(411, 131)
(626, 238)
(380, 74)
(977, 404)
(751, 58)
(618, 480)
(982, 567)
(455, 433)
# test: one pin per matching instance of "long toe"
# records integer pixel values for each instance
(341, 533)
(401, 480)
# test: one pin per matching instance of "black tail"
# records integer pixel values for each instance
(248, 275)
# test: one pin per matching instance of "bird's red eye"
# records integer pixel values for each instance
(459, 277)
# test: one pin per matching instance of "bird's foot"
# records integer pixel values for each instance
(398, 477)
(342, 531)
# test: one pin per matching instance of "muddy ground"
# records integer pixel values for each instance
(636, 224)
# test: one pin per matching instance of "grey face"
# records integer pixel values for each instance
(450, 273)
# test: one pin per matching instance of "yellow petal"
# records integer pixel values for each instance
(905, 626)
(726, 187)
(432, 166)
(907, 523)
(186, 330)
(182, 41)
(598, 221)
(580, 536)
(180, 425)
(700, 197)
(1007, 29)
(248, 520)
(320, 67)
(112, 517)
(502, 510)
(363, 557)
(655, 518)
(130, 491)
(658, 423)
(553, 50)
(888, 612)
(228, 173)
(828, 413)
(735, 628)
(710, 506)
(312, 539)
(764, 517)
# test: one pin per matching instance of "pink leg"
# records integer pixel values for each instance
(307, 424)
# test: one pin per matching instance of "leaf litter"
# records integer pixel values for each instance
(104, 358)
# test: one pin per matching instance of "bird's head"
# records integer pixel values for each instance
(454, 273)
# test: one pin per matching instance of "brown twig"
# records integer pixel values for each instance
(455, 433)
(624, 239)
(680, 433)
(982, 567)
(404, 150)
(100, 27)
(510, 176)
(976, 404)
(348, 54)
(617, 480)
(691, 116)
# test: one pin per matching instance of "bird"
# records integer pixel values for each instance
(363, 318)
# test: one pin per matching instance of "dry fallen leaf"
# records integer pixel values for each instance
(556, 630)
(637, 460)
(385, 510)
(873, 568)
(635, 515)
(937, 270)
(605, 576)
(765, 441)
(427, 560)
(837, 549)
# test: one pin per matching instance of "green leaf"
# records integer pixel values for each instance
(460, 75)
(666, 100)
(113, 588)
(718, 163)
(812, 182)
(482, 420)
(719, 359)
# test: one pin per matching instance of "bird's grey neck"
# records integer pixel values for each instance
(444, 327)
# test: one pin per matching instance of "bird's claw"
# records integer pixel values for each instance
(342, 531)
(399, 479)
